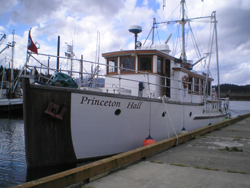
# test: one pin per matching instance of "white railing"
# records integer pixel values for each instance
(121, 78)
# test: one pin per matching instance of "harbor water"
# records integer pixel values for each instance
(13, 169)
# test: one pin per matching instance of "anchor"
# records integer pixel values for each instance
(52, 110)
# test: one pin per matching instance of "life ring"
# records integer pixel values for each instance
(185, 81)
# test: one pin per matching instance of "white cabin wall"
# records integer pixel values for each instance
(136, 64)
(107, 67)
(112, 85)
(118, 65)
(179, 93)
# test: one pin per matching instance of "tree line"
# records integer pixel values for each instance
(224, 88)
(7, 75)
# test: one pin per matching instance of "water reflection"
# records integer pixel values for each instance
(12, 152)
(13, 168)
(239, 108)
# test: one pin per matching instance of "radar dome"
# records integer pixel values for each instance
(135, 29)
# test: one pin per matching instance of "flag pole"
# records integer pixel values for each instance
(27, 52)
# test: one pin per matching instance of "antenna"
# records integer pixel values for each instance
(135, 29)
(164, 4)
(70, 54)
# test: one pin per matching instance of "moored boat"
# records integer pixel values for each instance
(10, 87)
(147, 92)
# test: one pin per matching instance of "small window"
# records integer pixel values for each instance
(201, 86)
(190, 80)
(113, 65)
(164, 113)
(159, 65)
(128, 63)
(146, 63)
(117, 112)
(197, 85)
(207, 89)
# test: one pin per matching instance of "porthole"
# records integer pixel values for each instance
(117, 112)
(190, 114)
(163, 114)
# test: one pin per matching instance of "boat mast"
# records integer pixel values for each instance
(153, 33)
(58, 55)
(183, 22)
(217, 56)
(97, 58)
(12, 61)
(71, 56)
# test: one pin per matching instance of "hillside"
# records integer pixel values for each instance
(241, 93)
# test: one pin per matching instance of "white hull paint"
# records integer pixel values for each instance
(97, 131)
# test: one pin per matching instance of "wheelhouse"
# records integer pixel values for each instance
(153, 73)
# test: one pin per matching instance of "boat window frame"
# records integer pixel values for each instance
(160, 58)
(208, 88)
(116, 68)
(201, 85)
(196, 88)
(196, 85)
(127, 71)
(190, 84)
(139, 63)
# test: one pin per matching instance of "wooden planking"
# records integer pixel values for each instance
(83, 173)
(47, 139)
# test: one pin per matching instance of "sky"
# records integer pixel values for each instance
(78, 21)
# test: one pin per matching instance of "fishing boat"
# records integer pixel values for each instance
(10, 89)
(147, 92)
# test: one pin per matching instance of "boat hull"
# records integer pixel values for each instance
(85, 124)
(8, 105)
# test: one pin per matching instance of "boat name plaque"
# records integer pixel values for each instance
(97, 102)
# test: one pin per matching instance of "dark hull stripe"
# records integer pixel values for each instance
(207, 117)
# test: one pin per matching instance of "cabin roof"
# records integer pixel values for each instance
(139, 52)
(190, 73)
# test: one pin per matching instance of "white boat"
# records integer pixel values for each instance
(8, 104)
(147, 92)
(10, 89)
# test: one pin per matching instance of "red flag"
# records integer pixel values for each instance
(31, 46)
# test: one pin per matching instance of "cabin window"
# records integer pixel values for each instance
(145, 63)
(127, 62)
(159, 65)
(197, 85)
(112, 68)
(207, 90)
(190, 80)
(201, 86)
(167, 73)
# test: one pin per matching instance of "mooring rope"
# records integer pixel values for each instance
(164, 97)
